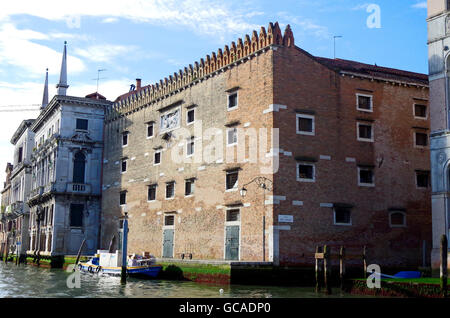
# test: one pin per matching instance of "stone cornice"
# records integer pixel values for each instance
(59, 100)
(20, 130)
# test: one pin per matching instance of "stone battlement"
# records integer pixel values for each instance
(209, 66)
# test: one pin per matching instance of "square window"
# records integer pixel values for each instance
(190, 117)
(420, 111)
(231, 136)
(123, 198)
(170, 190)
(306, 172)
(397, 219)
(150, 130)
(421, 139)
(125, 140)
(364, 132)
(232, 180)
(233, 215)
(342, 216)
(151, 195)
(82, 124)
(190, 147)
(364, 102)
(189, 187)
(365, 176)
(169, 220)
(232, 100)
(422, 179)
(124, 166)
(157, 158)
(305, 124)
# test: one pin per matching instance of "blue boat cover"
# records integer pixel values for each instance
(408, 274)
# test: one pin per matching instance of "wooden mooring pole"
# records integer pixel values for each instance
(444, 265)
(327, 268)
(342, 266)
(6, 250)
(79, 254)
(364, 257)
(318, 266)
(123, 274)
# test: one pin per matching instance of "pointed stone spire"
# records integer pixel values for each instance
(45, 97)
(62, 85)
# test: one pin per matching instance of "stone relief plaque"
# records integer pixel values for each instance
(170, 120)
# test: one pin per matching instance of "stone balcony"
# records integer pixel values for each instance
(61, 188)
(17, 207)
(36, 192)
(78, 188)
(19, 166)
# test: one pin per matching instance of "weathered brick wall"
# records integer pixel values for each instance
(200, 221)
(301, 83)
(272, 86)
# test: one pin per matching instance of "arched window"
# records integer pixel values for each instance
(79, 167)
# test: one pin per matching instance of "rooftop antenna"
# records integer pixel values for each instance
(334, 40)
(98, 77)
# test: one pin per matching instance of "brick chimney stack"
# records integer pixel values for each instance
(138, 84)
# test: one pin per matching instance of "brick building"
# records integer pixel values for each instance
(337, 151)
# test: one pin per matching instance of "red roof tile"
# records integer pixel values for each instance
(373, 70)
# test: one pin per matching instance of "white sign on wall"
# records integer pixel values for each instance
(285, 218)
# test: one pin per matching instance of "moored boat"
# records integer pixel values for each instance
(107, 263)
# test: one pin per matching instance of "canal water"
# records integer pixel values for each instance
(31, 281)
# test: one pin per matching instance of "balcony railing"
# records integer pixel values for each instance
(36, 192)
(17, 207)
(61, 187)
(80, 188)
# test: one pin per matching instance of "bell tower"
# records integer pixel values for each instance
(438, 21)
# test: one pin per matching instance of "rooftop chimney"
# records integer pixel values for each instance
(138, 84)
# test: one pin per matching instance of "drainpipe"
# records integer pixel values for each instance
(100, 211)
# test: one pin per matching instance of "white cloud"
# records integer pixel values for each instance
(204, 16)
(306, 25)
(15, 48)
(110, 89)
(361, 6)
(110, 20)
(420, 5)
(67, 36)
(29, 93)
(103, 52)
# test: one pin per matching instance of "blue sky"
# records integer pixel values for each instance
(153, 39)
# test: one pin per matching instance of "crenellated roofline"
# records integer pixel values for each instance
(209, 66)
